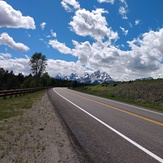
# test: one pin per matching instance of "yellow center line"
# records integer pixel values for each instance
(121, 110)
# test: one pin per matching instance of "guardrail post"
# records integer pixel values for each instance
(4, 97)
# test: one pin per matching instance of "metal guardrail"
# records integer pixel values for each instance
(16, 92)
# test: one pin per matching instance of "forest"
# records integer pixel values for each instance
(8, 81)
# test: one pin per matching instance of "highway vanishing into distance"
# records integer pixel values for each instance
(109, 131)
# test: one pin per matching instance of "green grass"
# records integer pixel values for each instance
(146, 94)
(14, 106)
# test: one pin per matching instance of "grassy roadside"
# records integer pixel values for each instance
(14, 106)
(146, 94)
(15, 127)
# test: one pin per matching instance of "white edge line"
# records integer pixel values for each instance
(114, 130)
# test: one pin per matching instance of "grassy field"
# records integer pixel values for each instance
(14, 106)
(147, 94)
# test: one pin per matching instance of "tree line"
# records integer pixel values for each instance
(38, 78)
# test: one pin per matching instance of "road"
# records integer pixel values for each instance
(109, 131)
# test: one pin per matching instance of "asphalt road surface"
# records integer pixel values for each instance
(109, 131)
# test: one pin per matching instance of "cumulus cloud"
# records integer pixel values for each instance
(69, 5)
(83, 51)
(17, 65)
(125, 32)
(12, 18)
(63, 67)
(96, 55)
(144, 59)
(106, 1)
(61, 47)
(86, 23)
(147, 52)
(42, 25)
(5, 39)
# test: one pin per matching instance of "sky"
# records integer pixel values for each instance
(121, 37)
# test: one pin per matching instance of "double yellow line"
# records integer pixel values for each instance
(120, 110)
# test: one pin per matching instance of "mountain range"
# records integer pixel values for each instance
(94, 78)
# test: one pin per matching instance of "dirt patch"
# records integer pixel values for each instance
(36, 136)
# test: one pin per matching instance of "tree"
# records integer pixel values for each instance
(38, 64)
(45, 80)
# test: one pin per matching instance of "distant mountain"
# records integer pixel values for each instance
(95, 78)
(148, 78)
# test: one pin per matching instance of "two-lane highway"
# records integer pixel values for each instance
(110, 131)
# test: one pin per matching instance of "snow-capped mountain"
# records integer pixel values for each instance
(147, 78)
(95, 78)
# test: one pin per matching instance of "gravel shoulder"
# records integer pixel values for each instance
(38, 136)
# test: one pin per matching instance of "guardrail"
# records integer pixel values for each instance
(16, 92)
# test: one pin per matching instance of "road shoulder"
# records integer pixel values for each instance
(36, 136)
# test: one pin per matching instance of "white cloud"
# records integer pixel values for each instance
(96, 55)
(106, 1)
(83, 51)
(137, 22)
(5, 39)
(5, 56)
(42, 25)
(123, 12)
(86, 23)
(124, 3)
(61, 47)
(11, 18)
(21, 65)
(8, 55)
(125, 32)
(69, 5)
(147, 52)
(17, 65)
(53, 33)
(123, 9)
(144, 59)
(130, 24)
(41, 39)
(65, 68)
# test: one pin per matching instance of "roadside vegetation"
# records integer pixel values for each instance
(16, 105)
(12, 122)
(145, 93)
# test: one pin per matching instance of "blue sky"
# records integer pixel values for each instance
(121, 37)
